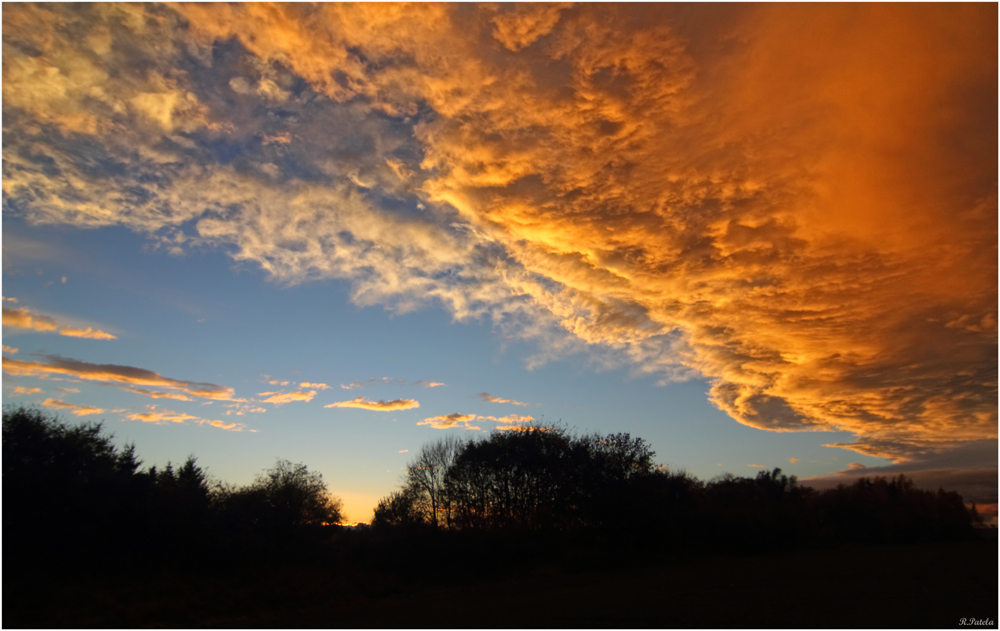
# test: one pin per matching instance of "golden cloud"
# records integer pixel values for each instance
(161, 417)
(816, 238)
(78, 410)
(450, 420)
(486, 396)
(23, 318)
(21, 390)
(114, 374)
(8, 349)
(379, 406)
(280, 398)
(318, 386)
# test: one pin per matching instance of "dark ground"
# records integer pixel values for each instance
(914, 586)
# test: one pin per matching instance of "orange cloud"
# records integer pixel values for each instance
(318, 386)
(806, 219)
(450, 420)
(429, 384)
(114, 374)
(21, 390)
(165, 416)
(280, 398)
(87, 333)
(78, 410)
(485, 396)
(23, 318)
(234, 427)
(793, 460)
(6, 299)
(379, 406)
(156, 394)
(8, 349)
(162, 417)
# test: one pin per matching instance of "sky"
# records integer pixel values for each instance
(753, 235)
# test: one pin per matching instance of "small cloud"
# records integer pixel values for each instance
(156, 394)
(487, 397)
(429, 384)
(79, 410)
(280, 398)
(234, 427)
(793, 460)
(166, 416)
(759, 466)
(8, 349)
(318, 386)
(510, 418)
(72, 390)
(403, 451)
(6, 299)
(24, 318)
(379, 406)
(88, 333)
(62, 280)
(352, 385)
(26, 391)
(450, 420)
(855, 466)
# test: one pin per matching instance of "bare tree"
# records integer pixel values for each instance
(426, 476)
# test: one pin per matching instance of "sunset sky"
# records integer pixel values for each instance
(754, 235)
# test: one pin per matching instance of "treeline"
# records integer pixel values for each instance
(70, 495)
(549, 480)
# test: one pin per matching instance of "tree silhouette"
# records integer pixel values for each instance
(425, 480)
(281, 499)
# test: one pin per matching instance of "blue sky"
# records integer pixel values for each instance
(752, 235)
(205, 319)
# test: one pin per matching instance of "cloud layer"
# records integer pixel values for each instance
(798, 203)
(128, 376)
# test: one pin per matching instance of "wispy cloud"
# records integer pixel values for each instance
(78, 410)
(280, 398)
(487, 397)
(379, 406)
(165, 417)
(23, 318)
(318, 386)
(114, 374)
(8, 349)
(448, 421)
(162, 417)
(509, 422)
(21, 390)
(429, 384)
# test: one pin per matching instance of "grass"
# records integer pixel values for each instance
(912, 586)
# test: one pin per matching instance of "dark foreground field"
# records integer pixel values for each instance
(916, 586)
